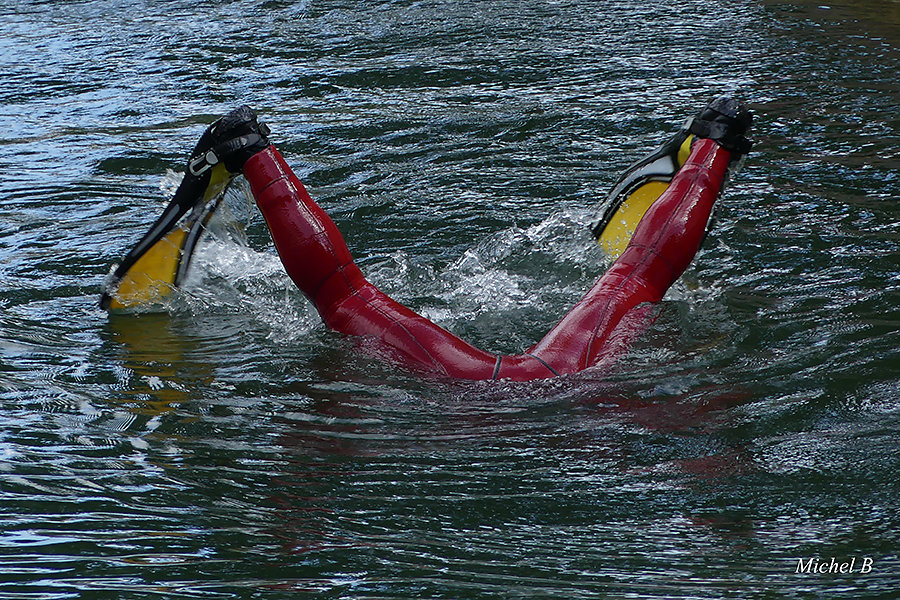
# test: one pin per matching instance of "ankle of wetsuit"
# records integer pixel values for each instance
(309, 244)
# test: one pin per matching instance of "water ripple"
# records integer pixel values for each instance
(227, 445)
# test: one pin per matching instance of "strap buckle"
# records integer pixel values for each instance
(199, 165)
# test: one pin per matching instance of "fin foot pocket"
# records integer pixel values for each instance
(725, 120)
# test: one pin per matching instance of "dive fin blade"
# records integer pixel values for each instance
(151, 277)
(158, 262)
(636, 191)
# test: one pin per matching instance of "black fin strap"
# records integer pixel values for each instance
(721, 130)
(239, 143)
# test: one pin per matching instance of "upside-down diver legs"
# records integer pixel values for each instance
(661, 242)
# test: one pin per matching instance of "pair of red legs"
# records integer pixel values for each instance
(317, 259)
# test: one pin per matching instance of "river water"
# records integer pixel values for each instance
(228, 446)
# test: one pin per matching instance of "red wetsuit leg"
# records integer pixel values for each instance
(663, 245)
(317, 259)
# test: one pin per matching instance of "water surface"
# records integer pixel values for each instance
(231, 447)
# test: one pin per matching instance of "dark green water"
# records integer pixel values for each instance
(230, 447)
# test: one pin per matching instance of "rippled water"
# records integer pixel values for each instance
(231, 447)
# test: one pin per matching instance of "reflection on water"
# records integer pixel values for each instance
(156, 357)
(229, 446)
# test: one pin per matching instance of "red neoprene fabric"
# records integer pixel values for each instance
(317, 259)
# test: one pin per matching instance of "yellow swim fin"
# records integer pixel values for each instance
(152, 275)
(636, 190)
(159, 262)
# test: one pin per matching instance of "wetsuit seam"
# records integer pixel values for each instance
(273, 182)
(327, 278)
(282, 176)
(609, 297)
(630, 276)
(662, 257)
(497, 368)
(537, 358)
